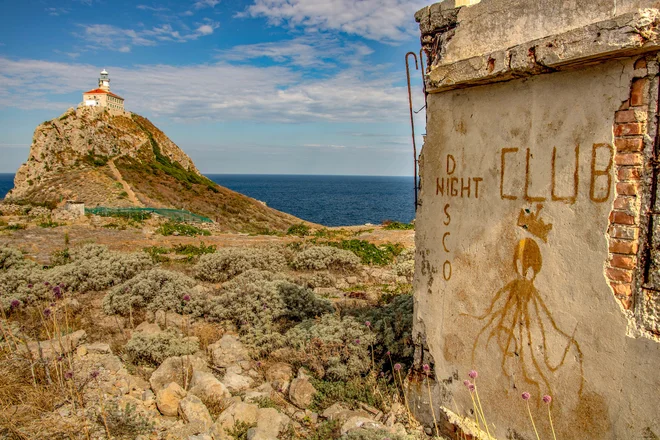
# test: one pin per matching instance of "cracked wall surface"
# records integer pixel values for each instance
(536, 242)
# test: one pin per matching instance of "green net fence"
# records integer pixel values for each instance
(143, 213)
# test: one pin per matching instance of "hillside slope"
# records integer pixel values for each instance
(123, 160)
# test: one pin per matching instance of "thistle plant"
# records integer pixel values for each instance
(525, 396)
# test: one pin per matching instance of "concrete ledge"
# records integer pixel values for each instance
(624, 36)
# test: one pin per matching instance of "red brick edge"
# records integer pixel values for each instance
(630, 128)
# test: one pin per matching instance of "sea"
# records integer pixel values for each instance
(327, 200)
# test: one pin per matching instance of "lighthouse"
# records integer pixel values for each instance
(102, 96)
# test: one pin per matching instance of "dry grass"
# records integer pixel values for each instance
(207, 333)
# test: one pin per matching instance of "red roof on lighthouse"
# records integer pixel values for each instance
(99, 91)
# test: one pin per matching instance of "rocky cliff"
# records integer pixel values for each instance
(120, 160)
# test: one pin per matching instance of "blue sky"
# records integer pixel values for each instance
(254, 86)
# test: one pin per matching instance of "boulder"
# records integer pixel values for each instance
(359, 422)
(57, 346)
(228, 351)
(236, 412)
(270, 423)
(175, 369)
(99, 347)
(341, 414)
(301, 392)
(237, 382)
(148, 328)
(279, 375)
(167, 399)
(193, 411)
(207, 387)
(261, 392)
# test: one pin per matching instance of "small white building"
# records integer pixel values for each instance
(102, 96)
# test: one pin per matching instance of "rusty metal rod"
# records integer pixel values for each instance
(412, 121)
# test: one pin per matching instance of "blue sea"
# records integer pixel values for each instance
(327, 200)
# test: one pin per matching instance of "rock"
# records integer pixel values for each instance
(270, 423)
(193, 411)
(261, 392)
(148, 396)
(200, 437)
(148, 328)
(279, 375)
(167, 399)
(228, 351)
(81, 351)
(99, 347)
(173, 370)
(207, 387)
(358, 422)
(236, 382)
(56, 346)
(237, 412)
(340, 413)
(170, 319)
(352, 280)
(301, 392)
(111, 363)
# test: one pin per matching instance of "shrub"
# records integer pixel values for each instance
(392, 225)
(153, 349)
(10, 258)
(369, 253)
(177, 228)
(301, 230)
(230, 262)
(320, 279)
(301, 303)
(156, 253)
(338, 348)
(325, 257)
(367, 390)
(156, 289)
(192, 251)
(124, 423)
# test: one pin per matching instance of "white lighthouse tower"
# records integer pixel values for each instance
(104, 81)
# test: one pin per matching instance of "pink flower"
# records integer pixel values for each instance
(547, 399)
(426, 367)
(471, 387)
(467, 383)
(525, 396)
(473, 374)
(367, 323)
(68, 375)
(186, 298)
(397, 367)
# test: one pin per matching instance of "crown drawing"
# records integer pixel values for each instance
(532, 223)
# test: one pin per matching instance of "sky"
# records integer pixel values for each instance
(243, 87)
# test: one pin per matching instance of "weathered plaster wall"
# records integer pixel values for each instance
(513, 249)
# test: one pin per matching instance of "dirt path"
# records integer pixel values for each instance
(131, 195)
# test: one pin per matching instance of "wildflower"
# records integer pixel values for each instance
(525, 396)
(547, 399)
(471, 387)
(94, 374)
(397, 367)
(46, 284)
(467, 383)
(15, 304)
(57, 292)
(186, 298)
(388, 353)
(357, 342)
(258, 364)
(473, 374)
(60, 358)
(426, 367)
(47, 313)
(367, 323)
(29, 286)
(68, 375)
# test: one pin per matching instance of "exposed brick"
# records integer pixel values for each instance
(622, 218)
(638, 92)
(628, 145)
(626, 303)
(624, 232)
(629, 129)
(640, 63)
(616, 274)
(622, 290)
(624, 203)
(625, 116)
(629, 173)
(624, 159)
(622, 261)
(623, 247)
(625, 105)
(627, 188)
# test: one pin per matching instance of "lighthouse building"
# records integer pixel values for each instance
(102, 96)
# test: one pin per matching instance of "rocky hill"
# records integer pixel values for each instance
(122, 160)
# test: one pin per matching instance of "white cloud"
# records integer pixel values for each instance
(152, 8)
(56, 12)
(317, 51)
(205, 4)
(220, 92)
(105, 36)
(383, 20)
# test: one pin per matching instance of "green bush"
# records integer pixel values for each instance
(10, 258)
(405, 264)
(358, 389)
(227, 263)
(153, 349)
(124, 423)
(177, 228)
(325, 257)
(391, 225)
(301, 230)
(156, 253)
(369, 253)
(156, 289)
(193, 251)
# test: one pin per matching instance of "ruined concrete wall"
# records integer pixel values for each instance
(536, 253)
